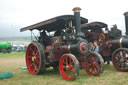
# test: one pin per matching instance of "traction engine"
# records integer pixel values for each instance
(119, 49)
(65, 51)
(113, 45)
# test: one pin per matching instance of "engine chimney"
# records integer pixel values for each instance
(126, 22)
(77, 21)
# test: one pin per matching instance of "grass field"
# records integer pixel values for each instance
(13, 61)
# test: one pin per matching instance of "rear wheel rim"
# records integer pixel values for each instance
(94, 65)
(33, 59)
(69, 67)
(120, 60)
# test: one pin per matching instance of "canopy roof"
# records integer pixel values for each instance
(94, 25)
(53, 24)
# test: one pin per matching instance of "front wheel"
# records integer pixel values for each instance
(69, 67)
(120, 59)
(94, 64)
(35, 58)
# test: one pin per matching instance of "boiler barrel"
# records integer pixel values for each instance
(124, 42)
(119, 42)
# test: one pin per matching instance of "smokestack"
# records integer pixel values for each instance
(126, 22)
(77, 21)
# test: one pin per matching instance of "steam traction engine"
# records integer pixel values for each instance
(61, 46)
(112, 44)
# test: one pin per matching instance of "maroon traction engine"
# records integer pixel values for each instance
(61, 46)
(112, 44)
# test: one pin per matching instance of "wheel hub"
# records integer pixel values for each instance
(69, 67)
(94, 64)
(33, 58)
(122, 60)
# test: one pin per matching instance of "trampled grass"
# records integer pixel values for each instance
(12, 54)
(13, 61)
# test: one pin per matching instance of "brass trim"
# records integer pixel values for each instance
(126, 14)
(76, 9)
(120, 42)
(69, 47)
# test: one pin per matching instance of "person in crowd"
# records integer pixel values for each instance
(91, 46)
(107, 59)
(96, 47)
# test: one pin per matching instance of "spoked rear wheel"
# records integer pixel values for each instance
(35, 58)
(94, 64)
(120, 59)
(69, 67)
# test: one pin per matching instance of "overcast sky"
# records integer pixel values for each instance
(15, 14)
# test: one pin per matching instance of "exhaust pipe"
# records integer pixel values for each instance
(76, 11)
(126, 22)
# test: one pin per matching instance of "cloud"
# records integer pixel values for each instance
(21, 13)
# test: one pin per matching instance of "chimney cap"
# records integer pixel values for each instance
(76, 9)
(126, 14)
